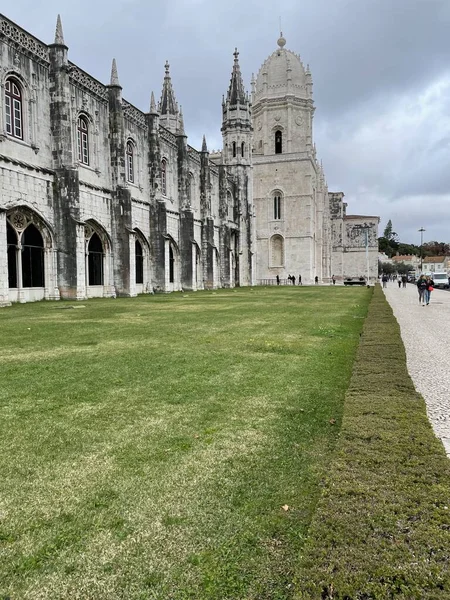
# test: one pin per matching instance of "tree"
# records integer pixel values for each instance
(387, 268)
(388, 243)
(404, 268)
(389, 234)
(436, 249)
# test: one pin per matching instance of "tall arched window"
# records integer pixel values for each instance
(234, 149)
(277, 251)
(130, 162)
(32, 257)
(11, 241)
(83, 140)
(13, 109)
(139, 262)
(277, 207)
(242, 149)
(171, 265)
(95, 260)
(278, 142)
(164, 177)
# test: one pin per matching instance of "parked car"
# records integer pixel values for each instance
(440, 281)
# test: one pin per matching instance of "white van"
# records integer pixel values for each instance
(440, 280)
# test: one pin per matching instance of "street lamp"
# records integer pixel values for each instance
(421, 252)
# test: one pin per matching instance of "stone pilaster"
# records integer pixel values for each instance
(4, 286)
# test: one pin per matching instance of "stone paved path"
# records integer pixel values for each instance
(425, 332)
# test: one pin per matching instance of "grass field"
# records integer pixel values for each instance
(172, 446)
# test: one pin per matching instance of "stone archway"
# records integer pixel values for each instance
(31, 259)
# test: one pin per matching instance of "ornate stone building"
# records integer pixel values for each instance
(301, 228)
(101, 199)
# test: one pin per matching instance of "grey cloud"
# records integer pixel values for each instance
(382, 126)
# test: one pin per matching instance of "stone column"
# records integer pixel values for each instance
(132, 254)
(4, 285)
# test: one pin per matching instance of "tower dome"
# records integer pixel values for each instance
(281, 74)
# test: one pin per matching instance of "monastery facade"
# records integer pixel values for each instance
(100, 199)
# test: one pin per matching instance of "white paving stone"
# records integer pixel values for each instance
(425, 331)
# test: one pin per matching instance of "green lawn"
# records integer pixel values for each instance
(149, 445)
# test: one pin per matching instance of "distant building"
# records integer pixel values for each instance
(436, 264)
(407, 259)
(100, 199)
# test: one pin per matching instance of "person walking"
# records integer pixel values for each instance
(428, 290)
(421, 288)
(316, 280)
(300, 280)
(384, 279)
(278, 280)
(333, 279)
(404, 280)
(293, 279)
(399, 283)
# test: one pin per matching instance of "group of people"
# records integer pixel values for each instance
(425, 285)
(402, 281)
(291, 279)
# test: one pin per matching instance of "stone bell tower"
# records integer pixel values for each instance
(237, 133)
(288, 196)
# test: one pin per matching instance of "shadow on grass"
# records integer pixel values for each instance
(382, 528)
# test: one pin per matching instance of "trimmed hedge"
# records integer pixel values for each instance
(382, 526)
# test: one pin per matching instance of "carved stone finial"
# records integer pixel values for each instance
(59, 36)
(180, 129)
(204, 146)
(114, 74)
(153, 110)
(281, 40)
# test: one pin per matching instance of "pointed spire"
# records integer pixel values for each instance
(153, 110)
(204, 146)
(236, 91)
(59, 36)
(180, 129)
(114, 74)
(168, 103)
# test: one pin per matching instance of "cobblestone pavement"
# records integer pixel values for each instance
(425, 332)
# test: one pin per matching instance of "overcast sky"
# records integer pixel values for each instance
(381, 72)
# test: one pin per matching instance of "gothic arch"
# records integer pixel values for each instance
(142, 261)
(276, 250)
(98, 260)
(276, 205)
(27, 119)
(31, 256)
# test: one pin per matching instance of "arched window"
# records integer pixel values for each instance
(13, 109)
(171, 265)
(139, 262)
(278, 142)
(11, 241)
(164, 177)
(130, 162)
(242, 149)
(32, 257)
(277, 207)
(95, 260)
(234, 149)
(83, 140)
(277, 251)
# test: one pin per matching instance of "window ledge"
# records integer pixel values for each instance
(5, 136)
